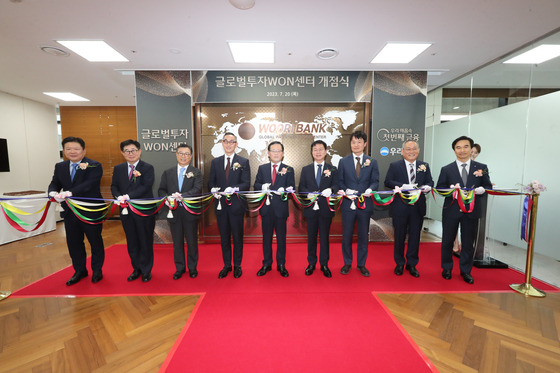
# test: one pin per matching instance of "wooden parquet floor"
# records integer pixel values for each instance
(491, 332)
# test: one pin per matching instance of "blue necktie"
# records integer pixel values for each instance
(318, 177)
(74, 167)
(181, 175)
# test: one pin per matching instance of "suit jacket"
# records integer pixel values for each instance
(284, 180)
(347, 179)
(136, 188)
(239, 177)
(85, 184)
(397, 175)
(450, 175)
(192, 186)
(308, 184)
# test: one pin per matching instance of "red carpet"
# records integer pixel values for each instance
(380, 263)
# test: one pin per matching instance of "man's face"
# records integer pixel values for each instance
(229, 143)
(463, 150)
(131, 153)
(184, 156)
(74, 151)
(410, 151)
(275, 153)
(319, 153)
(357, 146)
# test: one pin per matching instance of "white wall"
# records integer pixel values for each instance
(520, 143)
(31, 130)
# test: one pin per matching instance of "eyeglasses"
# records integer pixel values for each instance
(184, 154)
(130, 151)
(229, 142)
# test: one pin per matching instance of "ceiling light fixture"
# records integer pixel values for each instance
(252, 51)
(327, 53)
(243, 4)
(93, 50)
(55, 51)
(65, 96)
(400, 52)
(537, 55)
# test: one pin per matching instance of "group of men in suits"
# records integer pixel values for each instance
(355, 179)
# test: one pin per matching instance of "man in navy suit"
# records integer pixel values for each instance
(134, 179)
(408, 174)
(462, 173)
(180, 182)
(318, 177)
(230, 173)
(358, 175)
(278, 178)
(79, 177)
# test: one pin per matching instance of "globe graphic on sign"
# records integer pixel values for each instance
(246, 131)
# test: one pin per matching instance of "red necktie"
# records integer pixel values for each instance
(131, 172)
(274, 173)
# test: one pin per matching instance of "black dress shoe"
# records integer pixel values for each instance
(363, 270)
(177, 275)
(283, 271)
(193, 273)
(76, 278)
(399, 269)
(96, 276)
(346, 269)
(326, 271)
(413, 271)
(134, 275)
(446, 274)
(263, 270)
(309, 270)
(223, 273)
(237, 272)
(146, 277)
(468, 278)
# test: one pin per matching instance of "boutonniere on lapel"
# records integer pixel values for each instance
(84, 165)
(327, 172)
(135, 174)
(236, 166)
(366, 163)
(421, 168)
(283, 171)
(189, 175)
(480, 172)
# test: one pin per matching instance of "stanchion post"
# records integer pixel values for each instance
(527, 288)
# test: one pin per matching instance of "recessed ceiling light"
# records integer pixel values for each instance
(65, 96)
(399, 52)
(55, 51)
(327, 53)
(537, 55)
(243, 4)
(252, 52)
(93, 50)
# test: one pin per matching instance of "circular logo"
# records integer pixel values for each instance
(384, 151)
(246, 131)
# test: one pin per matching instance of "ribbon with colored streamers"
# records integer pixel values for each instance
(138, 205)
(253, 198)
(10, 212)
(301, 201)
(527, 209)
(462, 196)
(189, 204)
(106, 210)
(380, 201)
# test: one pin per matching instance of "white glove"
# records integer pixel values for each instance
(126, 197)
(456, 186)
(406, 186)
(290, 189)
(177, 195)
(52, 194)
(326, 193)
(341, 192)
(58, 197)
(265, 187)
(279, 191)
(310, 195)
(426, 188)
(479, 190)
(349, 192)
(229, 190)
(367, 193)
(214, 190)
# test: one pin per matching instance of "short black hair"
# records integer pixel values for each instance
(274, 143)
(461, 138)
(185, 146)
(318, 142)
(130, 142)
(79, 140)
(229, 133)
(358, 135)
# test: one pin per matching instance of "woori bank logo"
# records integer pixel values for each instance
(384, 151)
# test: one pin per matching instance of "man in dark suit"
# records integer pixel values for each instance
(179, 182)
(279, 178)
(408, 174)
(358, 175)
(318, 177)
(79, 177)
(462, 173)
(230, 173)
(134, 179)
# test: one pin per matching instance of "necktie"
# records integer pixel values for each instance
(181, 176)
(464, 174)
(228, 166)
(131, 171)
(412, 174)
(358, 166)
(274, 173)
(73, 173)
(318, 177)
